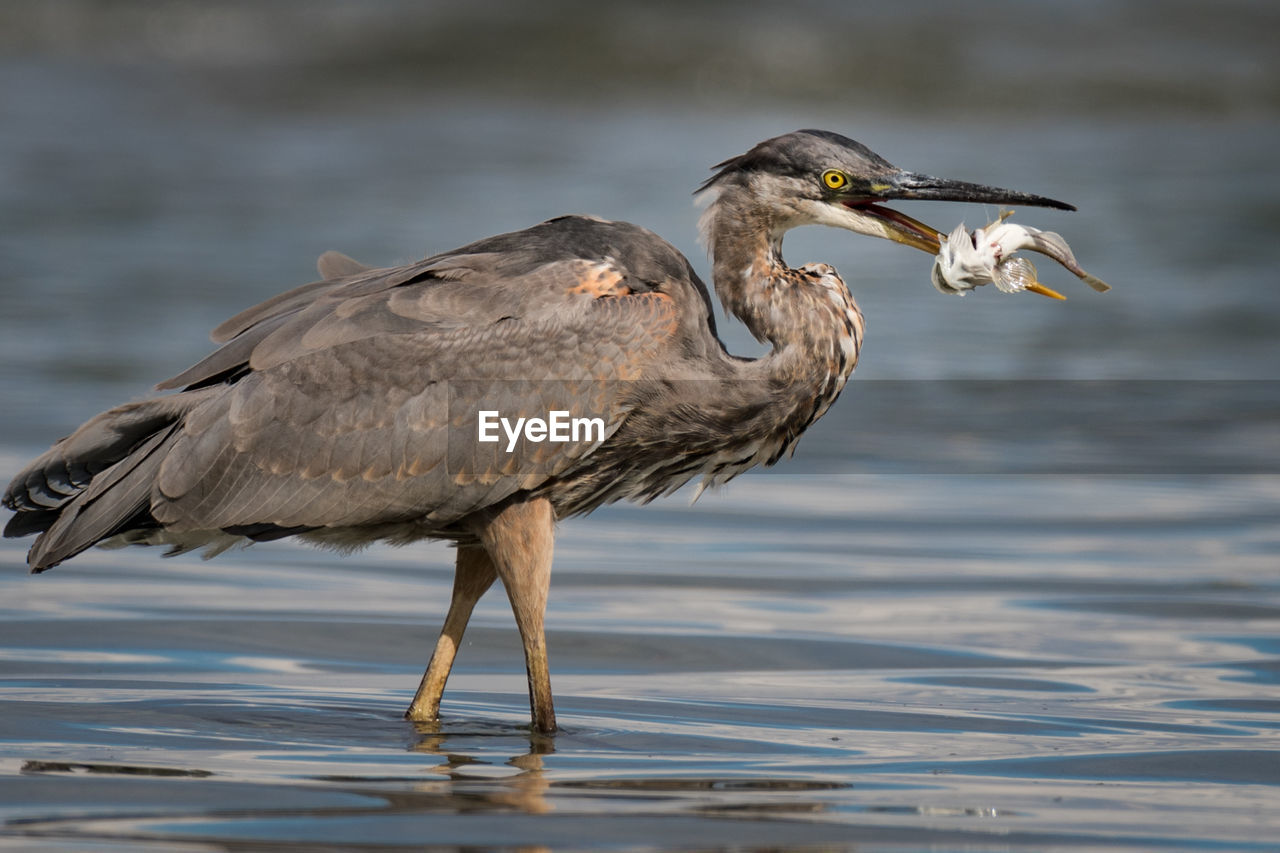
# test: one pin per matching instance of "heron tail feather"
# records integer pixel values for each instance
(96, 482)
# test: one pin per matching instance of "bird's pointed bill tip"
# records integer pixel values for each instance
(1037, 287)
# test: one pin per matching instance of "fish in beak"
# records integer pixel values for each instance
(966, 259)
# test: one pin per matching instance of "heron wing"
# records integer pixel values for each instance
(365, 410)
(354, 401)
(488, 269)
(243, 332)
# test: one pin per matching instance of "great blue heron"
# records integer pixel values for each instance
(347, 411)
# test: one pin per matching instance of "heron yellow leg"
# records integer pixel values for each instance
(520, 539)
(473, 575)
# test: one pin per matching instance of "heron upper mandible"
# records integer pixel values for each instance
(346, 411)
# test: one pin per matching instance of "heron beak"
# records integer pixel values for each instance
(903, 229)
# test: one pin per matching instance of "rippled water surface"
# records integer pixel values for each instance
(1019, 590)
(803, 660)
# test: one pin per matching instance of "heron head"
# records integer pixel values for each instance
(816, 177)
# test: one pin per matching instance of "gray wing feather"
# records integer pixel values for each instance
(378, 431)
(285, 318)
(65, 469)
(372, 421)
(226, 359)
(113, 499)
(324, 293)
(332, 265)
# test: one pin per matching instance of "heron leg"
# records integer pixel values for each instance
(473, 575)
(520, 539)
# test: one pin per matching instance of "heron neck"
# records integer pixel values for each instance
(791, 309)
(806, 314)
(748, 270)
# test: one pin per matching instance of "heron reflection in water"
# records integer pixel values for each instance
(342, 412)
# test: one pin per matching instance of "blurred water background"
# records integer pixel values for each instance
(1018, 590)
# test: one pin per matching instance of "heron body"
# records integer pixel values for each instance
(345, 411)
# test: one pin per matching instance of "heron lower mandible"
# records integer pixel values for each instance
(354, 409)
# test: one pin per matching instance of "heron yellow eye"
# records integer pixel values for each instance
(835, 179)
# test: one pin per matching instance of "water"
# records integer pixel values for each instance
(1017, 591)
(802, 660)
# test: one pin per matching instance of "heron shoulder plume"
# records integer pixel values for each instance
(351, 410)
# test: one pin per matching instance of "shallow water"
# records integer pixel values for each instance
(1019, 590)
(800, 660)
